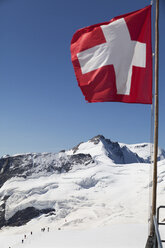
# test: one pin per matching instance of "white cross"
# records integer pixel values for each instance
(119, 51)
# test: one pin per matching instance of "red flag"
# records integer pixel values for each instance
(113, 60)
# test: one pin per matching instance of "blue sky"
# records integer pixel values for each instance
(41, 106)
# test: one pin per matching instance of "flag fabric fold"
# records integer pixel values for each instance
(113, 60)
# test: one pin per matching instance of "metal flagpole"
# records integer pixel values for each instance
(154, 190)
(154, 186)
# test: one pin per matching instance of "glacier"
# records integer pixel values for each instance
(96, 184)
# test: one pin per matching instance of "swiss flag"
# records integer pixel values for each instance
(113, 60)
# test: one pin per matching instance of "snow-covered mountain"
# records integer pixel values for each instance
(86, 185)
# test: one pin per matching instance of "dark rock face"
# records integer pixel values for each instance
(75, 148)
(2, 212)
(25, 215)
(10, 167)
(97, 139)
(28, 164)
(81, 158)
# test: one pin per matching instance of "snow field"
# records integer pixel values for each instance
(114, 236)
(102, 193)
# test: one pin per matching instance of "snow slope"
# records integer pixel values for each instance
(114, 236)
(144, 150)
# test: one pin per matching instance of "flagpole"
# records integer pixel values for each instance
(154, 186)
(150, 240)
(154, 190)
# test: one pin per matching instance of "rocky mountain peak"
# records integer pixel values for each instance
(97, 139)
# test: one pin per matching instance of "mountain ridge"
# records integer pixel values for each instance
(27, 180)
